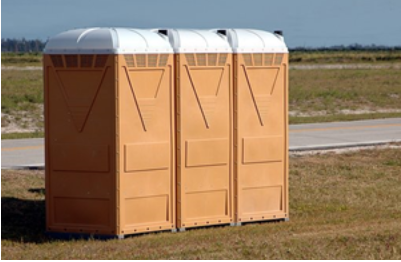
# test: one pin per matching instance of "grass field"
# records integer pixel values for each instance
(21, 90)
(21, 103)
(23, 135)
(340, 57)
(352, 94)
(331, 90)
(342, 206)
(21, 59)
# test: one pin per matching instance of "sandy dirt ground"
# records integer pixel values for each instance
(22, 121)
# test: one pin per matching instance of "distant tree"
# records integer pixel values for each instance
(352, 47)
(22, 45)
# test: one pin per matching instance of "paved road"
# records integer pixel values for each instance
(30, 152)
(344, 134)
(22, 152)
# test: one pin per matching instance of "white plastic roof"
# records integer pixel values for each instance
(255, 41)
(108, 41)
(197, 41)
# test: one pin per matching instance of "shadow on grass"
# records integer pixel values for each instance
(40, 191)
(23, 220)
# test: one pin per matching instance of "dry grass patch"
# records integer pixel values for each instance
(21, 90)
(343, 206)
(336, 92)
(21, 59)
(340, 57)
(21, 101)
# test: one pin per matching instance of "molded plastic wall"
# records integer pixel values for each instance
(110, 143)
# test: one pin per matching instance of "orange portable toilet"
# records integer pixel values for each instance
(109, 132)
(203, 65)
(260, 124)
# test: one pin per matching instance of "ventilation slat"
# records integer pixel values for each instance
(163, 60)
(152, 60)
(222, 59)
(211, 59)
(278, 59)
(201, 59)
(101, 60)
(190, 59)
(247, 59)
(86, 60)
(57, 60)
(141, 60)
(268, 59)
(257, 58)
(71, 60)
(129, 60)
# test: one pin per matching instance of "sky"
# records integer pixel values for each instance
(305, 23)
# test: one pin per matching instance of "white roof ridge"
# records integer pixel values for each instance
(197, 41)
(108, 40)
(255, 41)
(136, 32)
(257, 35)
(116, 40)
(121, 40)
(85, 33)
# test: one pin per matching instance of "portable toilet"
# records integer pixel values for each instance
(260, 124)
(109, 132)
(203, 64)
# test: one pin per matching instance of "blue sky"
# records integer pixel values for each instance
(308, 23)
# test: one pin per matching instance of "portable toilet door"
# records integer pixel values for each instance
(260, 124)
(109, 132)
(204, 127)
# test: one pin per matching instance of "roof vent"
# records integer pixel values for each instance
(279, 32)
(223, 32)
(163, 32)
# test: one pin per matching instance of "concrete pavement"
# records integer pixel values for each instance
(29, 153)
(344, 134)
(22, 153)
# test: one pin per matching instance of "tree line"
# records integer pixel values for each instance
(14, 45)
(352, 47)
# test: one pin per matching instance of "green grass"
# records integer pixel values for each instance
(341, 118)
(344, 206)
(333, 90)
(21, 90)
(21, 59)
(340, 57)
(22, 135)
(22, 101)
